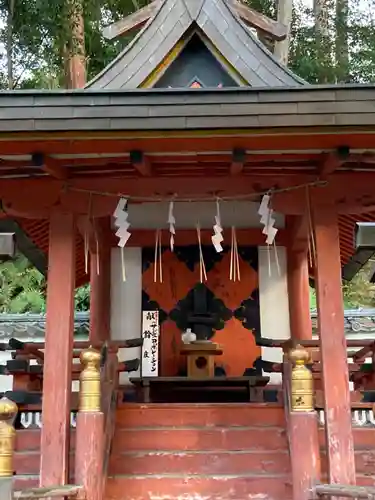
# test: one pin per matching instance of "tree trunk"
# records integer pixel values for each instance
(75, 60)
(284, 15)
(9, 44)
(342, 46)
(323, 42)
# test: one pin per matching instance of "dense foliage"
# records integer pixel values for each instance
(23, 288)
(358, 293)
(331, 40)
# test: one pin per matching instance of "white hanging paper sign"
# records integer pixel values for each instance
(171, 221)
(263, 208)
(217, 237)
(121, 219)
(271, 234)
(121, 206)
(267, 219)
(121, 222)
(150, 348)
(123, 241)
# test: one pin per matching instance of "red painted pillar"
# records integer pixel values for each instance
(89, 454)
(304, 453)
(100, 284)
(299, 294)
(298, 277)
(338, 422)
(54, 464)
(90, 428)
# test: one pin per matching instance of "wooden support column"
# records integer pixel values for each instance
(89, 454)
(90, 429)
(338, 421)
(54, 464)
(299, 294)
(100, 283)
(302, 423)
(304, 453)
(298, 277)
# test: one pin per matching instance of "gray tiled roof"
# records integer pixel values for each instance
(187, 109)
(30, 326)
(360, 321)
(222, 27)
(22, 326)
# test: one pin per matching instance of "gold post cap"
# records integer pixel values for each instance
(299, 355)
(90, 356)
(8, 409)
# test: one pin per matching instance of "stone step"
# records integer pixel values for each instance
(187, 488)
(259, 462)
(213, 487)
(277, 462)
(195, 439)
(190, 415)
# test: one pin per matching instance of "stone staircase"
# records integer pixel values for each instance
(197, 451)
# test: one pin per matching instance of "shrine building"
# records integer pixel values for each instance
(199, 186)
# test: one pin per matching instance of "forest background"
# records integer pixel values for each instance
(331, 41)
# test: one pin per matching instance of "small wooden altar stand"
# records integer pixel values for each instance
(201, 358)
(200, 384)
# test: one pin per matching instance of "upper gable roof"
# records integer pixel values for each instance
(219, 24)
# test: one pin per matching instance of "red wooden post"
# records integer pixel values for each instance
(90, 429)
(304, 453)
(54, 464)
(302, 424)
(100, 284)
(89, 454)
(338, 422)
(298, 277)
(299, 294)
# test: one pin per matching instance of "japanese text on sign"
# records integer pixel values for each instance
(150, 349)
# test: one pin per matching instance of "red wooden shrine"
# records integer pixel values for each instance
(196, 109)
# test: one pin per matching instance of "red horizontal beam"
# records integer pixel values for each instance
(207, 141)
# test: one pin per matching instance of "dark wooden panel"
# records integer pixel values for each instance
(234, 305)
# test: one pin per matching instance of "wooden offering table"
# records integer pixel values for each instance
(201, 358)
(203, 389)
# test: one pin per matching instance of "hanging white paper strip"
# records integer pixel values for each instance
(234, 269)
(150, 348)
(202, 266)
(171, 221)
(158, 263)
(267, 220)
(121, 222)
(217, 237)
(263, 209)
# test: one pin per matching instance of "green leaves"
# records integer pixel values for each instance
(335, 43)
(23, 288)
(42, 32)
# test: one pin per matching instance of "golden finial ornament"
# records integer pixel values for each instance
(8, 413)
(89, 394)
(301, 380)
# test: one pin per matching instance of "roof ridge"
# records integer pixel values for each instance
(127, 48)
(260, 44)
(222, 27)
